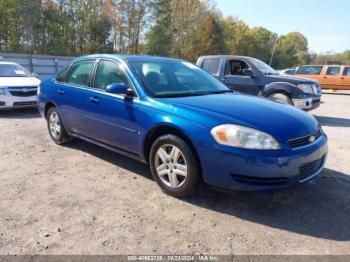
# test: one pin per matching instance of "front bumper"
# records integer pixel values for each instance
(259, 170)
(8, 101)
(307, 103)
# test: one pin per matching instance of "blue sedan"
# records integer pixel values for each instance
(184, 123)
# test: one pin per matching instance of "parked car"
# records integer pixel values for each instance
(286, 72)
(335, 77)
(185, 124)
(18, 87)
(251, 76)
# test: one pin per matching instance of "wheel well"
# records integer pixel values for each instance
(47, 107)
(166, 130)
(279, 92)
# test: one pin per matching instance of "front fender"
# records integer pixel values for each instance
(282, 87)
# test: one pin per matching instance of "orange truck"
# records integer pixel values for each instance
(336, 77)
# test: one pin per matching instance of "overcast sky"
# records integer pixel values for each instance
(325, 23)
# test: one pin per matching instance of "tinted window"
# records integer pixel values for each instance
(61, 76)
(346, 71)
(333, 70)
(236, 67)
(175, 78)
(109, 73)
(309, 70)
(80, 73)
(214, 66)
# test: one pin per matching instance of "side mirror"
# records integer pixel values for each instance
(35, 75)
(120, 89)
(248, 72)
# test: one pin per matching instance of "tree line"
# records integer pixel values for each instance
(177, 28)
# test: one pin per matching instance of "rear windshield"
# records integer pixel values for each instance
(13, 70)
(309, 70)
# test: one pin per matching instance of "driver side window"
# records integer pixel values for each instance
(109, 73)
(236, 67)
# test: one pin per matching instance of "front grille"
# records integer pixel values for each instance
(267, 181)
(23, 91)
(310, 168)
(30, 103)
(302, 141)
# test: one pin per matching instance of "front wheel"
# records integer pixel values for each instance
(174, 166)
(56, 129)
(281, 98)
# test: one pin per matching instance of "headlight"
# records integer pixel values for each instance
(2, 91)
(243, 137)
(307, 88)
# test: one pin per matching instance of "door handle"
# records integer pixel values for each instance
(60, 91)
(94, 99)
(342, 78)
(325, 77)
(224, 80)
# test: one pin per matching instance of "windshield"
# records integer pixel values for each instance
(264, 68)
(171, 78)
(13, 70)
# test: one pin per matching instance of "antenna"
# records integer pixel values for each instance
(273, 51)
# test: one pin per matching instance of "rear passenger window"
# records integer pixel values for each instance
(80, 73)
(346, 71)
(309, 70)
(109, 73)
(333, 71)
(211, 65)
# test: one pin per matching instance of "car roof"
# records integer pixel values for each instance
(325, 65)
(127, 57)
(7, 63)
(227, 56)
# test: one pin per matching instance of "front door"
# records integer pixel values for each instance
(237, 81)
(113, 117)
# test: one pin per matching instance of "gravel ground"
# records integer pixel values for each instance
(82, 199)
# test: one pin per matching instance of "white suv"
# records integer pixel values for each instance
(18, 87)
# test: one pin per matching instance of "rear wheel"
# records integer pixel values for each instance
(56, 129)
(281, 98)
(174, 166)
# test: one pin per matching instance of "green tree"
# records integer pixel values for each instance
(208, 39)
(159, 38)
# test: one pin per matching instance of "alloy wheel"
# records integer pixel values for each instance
(171, 166)
(55, 125)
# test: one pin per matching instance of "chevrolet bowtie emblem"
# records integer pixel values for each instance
(312, 139)
(24, 90)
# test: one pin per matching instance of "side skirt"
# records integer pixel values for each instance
(109, 147)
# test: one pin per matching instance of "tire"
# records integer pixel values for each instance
(56, 129)
(173, 166)
(281, 98)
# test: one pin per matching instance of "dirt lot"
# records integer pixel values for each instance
(82, 199)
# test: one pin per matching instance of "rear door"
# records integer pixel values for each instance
(236, 80)
(331, 77)
(72, 96)
(344, 81)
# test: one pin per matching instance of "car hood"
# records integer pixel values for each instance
(282, 121)
(19, 81)
(290, 79)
